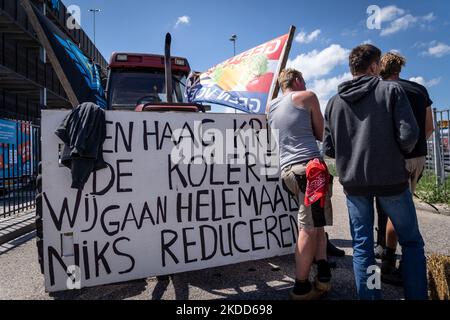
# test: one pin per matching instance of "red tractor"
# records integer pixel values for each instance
(140, 82)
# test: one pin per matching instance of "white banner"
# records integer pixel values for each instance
(148, 215)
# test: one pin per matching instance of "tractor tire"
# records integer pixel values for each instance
(38, 200)
(39, 223)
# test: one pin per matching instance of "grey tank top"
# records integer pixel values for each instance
(296, 137)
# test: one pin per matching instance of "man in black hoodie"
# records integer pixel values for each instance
(391, 66)
(369, 127)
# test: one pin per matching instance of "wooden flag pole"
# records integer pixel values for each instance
(273, 93)
(51, 54)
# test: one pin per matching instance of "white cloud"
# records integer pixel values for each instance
(350, 32)
(316, 64)
(389, 13)
(325, 88)
(433, 82)
(399, 24)
(419, 80)
(304, 37)
(425, 83)
(437, 50)
(429, 17)
(398, 20)
(421, 45)
(368, 41)
(183, 20)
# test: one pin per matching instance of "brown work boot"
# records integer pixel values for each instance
(305, 290)
(314, 294)
(322, 286)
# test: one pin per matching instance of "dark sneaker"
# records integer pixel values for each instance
(389, 273)
(332, 264)
(323, 279)
(388, 263)
(332, 250)
(393, 278)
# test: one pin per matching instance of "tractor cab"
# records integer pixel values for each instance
(139, 82)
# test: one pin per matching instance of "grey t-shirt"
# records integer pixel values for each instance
(294, 125)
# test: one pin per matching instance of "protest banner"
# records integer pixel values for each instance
(181, 192)
(247, 81)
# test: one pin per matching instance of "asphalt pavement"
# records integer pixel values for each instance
(256, 280)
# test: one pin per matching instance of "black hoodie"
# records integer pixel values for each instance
(369, 126)
(83, 132)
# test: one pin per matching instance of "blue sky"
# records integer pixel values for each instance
(326, 30)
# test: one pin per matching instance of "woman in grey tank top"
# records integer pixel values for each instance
(296, 136)
(297, 118)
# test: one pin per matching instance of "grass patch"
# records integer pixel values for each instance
(428, 190)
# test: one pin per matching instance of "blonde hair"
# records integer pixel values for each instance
(391, 64)
(287, 77)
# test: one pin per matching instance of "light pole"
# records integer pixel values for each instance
(94, 11)
(233, 39)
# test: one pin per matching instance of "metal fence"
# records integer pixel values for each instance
(18, 168)
(438, 159)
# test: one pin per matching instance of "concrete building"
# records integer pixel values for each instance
(28, 82)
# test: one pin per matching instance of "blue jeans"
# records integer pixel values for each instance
(400, 209)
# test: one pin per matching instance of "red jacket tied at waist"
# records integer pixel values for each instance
(317, 178)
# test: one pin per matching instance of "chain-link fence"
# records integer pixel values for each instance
(438, 160)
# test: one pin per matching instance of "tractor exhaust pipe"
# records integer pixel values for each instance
(168, 68)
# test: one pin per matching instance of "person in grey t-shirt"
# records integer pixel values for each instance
(297, 118)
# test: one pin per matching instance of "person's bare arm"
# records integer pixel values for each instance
(316, 116)
(328, 141)
(429, 126)
(308, 99)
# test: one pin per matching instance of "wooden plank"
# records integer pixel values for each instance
(50, 53)
(273, 93)
(21, 17)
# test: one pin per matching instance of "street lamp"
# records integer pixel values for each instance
(94, 11)
(233, 39)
